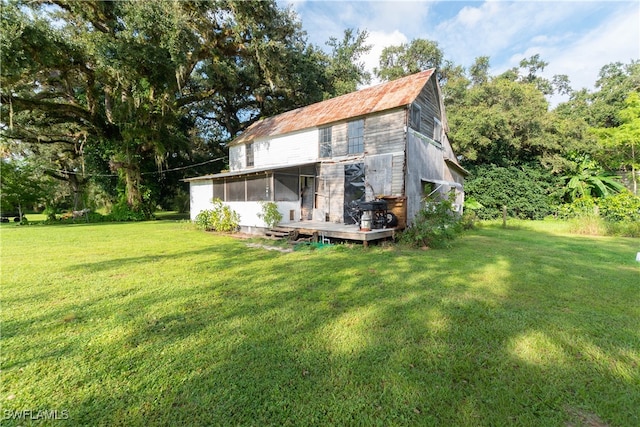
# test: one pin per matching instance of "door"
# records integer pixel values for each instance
(354, 191)
(307, 196)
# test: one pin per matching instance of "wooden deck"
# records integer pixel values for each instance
(330, 230)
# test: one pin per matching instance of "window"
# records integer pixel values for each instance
(218, 190)
(415, 118)
(325, 142)
(258, 189)
(249, 154)
(236, 191)
(287, 188)
(437, 130)
(355, 137)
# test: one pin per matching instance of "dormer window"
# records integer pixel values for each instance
(249, 154)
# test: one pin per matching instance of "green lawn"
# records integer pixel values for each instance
(156, 323)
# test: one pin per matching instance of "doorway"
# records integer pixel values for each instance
(307, 196)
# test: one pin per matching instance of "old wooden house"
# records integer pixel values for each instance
(386, 142)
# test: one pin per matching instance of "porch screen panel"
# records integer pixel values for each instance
(286, 188)
(235, 191)
(218, 190)
(258, 189)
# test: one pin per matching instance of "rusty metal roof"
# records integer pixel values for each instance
(396, 93)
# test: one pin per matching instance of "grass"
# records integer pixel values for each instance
(156, 323)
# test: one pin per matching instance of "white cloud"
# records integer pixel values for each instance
(617, 39)
(378, 41)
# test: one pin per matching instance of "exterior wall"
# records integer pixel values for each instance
(248, 212)
(293, 148)
(330, 192)
(425, 161)
(429, 103)
(201, 193)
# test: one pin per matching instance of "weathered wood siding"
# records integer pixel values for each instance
(330, 192)
(424, 161)
(384, 132)
(429, 108)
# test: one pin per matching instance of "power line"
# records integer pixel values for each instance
(143, 173)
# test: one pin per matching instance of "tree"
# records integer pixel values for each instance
(344, 69)
(623, 141)
(406, 59)
(136, 78)
(588, 179)
(500, 122)
(21, 186)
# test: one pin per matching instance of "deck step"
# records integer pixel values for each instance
(282, 233)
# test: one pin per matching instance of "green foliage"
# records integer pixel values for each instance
(344, 68)
(435, 225)
(587, 179)
(623, 141)
(525, 191)
(270, 214)
(221, 218)
(580, 207)
(123, 212)
(406, 59)
(623, 206)
(623, 228)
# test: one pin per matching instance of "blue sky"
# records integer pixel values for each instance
(575, 37)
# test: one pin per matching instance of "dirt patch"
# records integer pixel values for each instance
(582, 418)
(269, 248)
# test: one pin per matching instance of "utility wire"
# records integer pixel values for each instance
(143, 173)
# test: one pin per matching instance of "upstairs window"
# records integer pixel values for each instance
(325, 142)
(249, 154)
(437, 130)
(415, 118)
(355, 137)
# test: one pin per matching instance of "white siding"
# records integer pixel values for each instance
(249, 211)
(201, 193)
(293, 148)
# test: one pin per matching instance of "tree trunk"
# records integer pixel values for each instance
(132, 186)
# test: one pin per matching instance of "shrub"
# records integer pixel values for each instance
(121, 211)
(525, 191)
(270, 214)
(623, 206)
(580, 207)
(220, 218)
(435, 225)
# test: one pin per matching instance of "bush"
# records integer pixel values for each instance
(220, 218)
(123, 212)
(623, 206)
(270, 214)
(435, 225)
(525, 191)
(580, 207)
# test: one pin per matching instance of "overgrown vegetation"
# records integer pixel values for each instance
(436, 225)
(221, 218)
(269, 214)
(155, 323)
(615, 215)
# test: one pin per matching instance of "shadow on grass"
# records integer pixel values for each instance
(506, 328)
